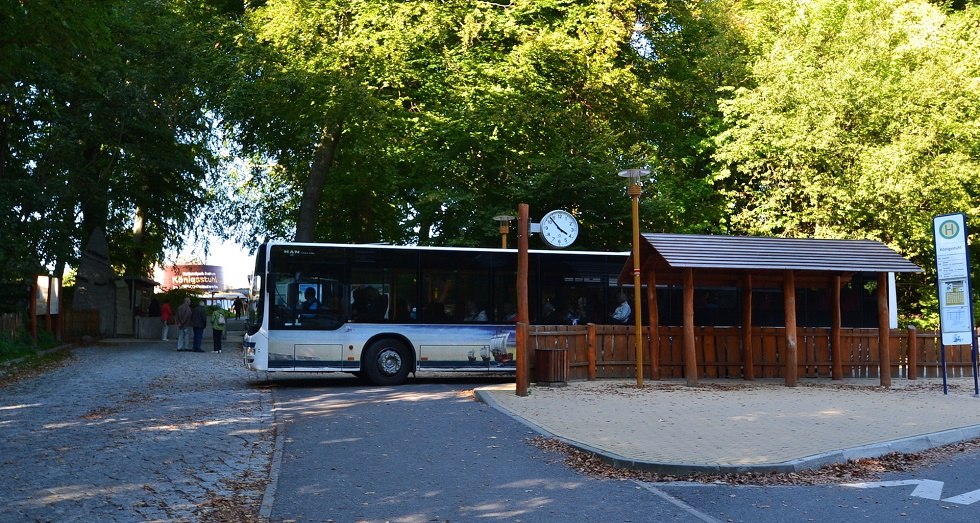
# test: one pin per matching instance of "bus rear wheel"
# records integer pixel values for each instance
(387, 362)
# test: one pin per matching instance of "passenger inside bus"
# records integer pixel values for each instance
(435, 312)
(549, 316)
(312, 304)
(623, 310)
(474, 313)
(369, 305)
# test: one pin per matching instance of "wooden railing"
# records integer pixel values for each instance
(608, 351)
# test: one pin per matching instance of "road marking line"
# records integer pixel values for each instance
(678, 503)
(924, 488)
(968, 498)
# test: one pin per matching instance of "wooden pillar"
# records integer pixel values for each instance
(653, 315)
(690, 357)
(523, 360)
(523, 314)
(836, 352)
(789, 309)
(913, 353)
(590, 339)
(884, 334)
(748, 361)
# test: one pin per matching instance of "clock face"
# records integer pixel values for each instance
(559, 229)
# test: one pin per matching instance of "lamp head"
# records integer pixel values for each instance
(634, 174)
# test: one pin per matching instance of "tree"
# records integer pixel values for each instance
(103, 128)
(862, 122)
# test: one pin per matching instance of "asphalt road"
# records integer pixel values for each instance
(427, 451)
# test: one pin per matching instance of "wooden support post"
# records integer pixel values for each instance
(913, 353)
(836, 351)
(653, 315)
(523, 360)
(523, 315)
(748, 362)
(590, 339)
(884, 334)
(690, 356)
(789, 309)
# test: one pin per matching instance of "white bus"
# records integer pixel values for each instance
(383, 312)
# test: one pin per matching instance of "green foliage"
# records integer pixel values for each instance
(417, 122)
(861, 121)
(448, 113)
(103, 128)
(21, 345)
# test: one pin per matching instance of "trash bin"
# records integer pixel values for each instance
(551, 367)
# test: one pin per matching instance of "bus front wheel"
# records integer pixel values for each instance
(387, 362)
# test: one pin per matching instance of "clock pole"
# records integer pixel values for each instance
(523, 315)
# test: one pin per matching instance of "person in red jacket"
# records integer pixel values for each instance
(165, 314)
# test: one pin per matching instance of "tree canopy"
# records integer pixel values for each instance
(418, 121)
(103, 127)
(860, 121)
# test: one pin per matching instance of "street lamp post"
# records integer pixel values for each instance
(634, 191)
(504, 221)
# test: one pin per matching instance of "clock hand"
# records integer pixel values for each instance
(563, 231)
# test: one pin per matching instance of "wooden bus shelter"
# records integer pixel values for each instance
(749, 262)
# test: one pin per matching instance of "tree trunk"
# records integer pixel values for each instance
(309, 207)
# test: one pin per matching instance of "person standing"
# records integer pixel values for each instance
(165, 314)
(238, 306)
(218, 327)
(184, 326)
(199, 320)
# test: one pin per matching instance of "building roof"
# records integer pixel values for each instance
(732, 256)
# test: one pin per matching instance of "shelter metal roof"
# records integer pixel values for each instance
(672, 252)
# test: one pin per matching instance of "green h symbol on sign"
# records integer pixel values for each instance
(949, 229)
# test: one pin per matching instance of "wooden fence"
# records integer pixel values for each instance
(74, 324)
(11, 325)
(79, 323)
(608, 351)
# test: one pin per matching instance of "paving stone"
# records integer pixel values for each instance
(131, 431)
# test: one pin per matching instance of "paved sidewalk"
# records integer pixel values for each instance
(738, 426)
(131, 430)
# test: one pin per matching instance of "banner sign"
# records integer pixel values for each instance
(953, 275)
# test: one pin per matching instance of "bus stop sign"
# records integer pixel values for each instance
(953, 275)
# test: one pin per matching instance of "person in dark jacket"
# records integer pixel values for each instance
(184, 313)
(199, 320)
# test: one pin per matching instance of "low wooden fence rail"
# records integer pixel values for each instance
(609, 351)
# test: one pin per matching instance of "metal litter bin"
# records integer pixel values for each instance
(551, 367)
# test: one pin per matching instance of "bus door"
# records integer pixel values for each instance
(306, 324)
(321, 318)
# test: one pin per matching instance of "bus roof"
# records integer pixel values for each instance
(439, 248)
